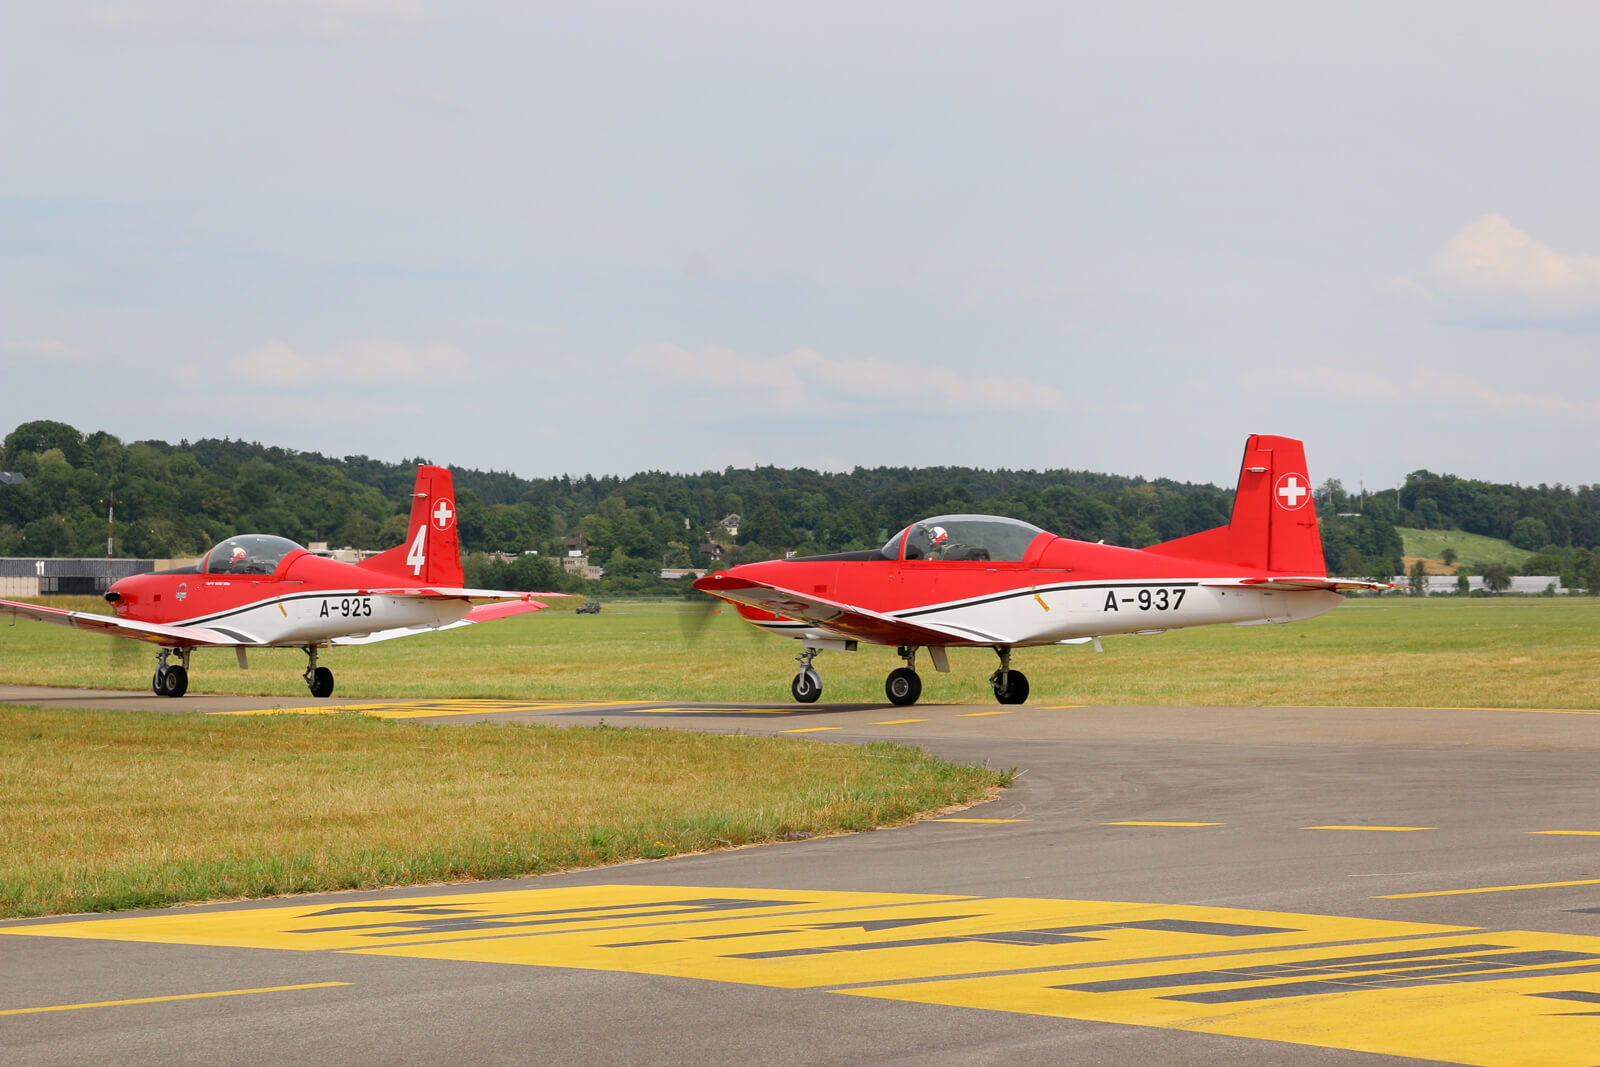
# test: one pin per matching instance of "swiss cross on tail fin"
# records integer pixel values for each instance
(431, 551)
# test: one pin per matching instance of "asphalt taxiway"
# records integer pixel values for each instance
(1170, 885)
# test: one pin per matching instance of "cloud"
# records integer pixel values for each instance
(376, 361)
(1428, 387)
(313, 18)
(1492, 268)
(805, 379)
(44, 348)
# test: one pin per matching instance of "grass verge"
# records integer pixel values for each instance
(108, 811)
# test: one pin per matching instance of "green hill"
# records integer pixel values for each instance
(1473, 550)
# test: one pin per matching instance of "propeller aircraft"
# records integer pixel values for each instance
(983, 580)
(260, 591)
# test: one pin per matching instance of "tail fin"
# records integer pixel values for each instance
(431, 551)
(1274, 524)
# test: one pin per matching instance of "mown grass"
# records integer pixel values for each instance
(1472, 550)
(108, 811)
(1377, 652)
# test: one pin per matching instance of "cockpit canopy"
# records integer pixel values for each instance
(248, 554)
(963, 537)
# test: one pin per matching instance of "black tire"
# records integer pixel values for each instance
(155, 683)
(1016, 689)
(806, 687)
(903, 686)
(174, 681)
(321, 683)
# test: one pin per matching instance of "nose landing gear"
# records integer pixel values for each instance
(807, 685)
(171, 680)
(1010, 687)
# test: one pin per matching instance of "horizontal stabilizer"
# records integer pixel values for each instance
(1292, 584)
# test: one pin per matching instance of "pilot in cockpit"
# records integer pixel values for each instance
(938, 541)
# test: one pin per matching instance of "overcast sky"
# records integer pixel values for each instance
(612, 237)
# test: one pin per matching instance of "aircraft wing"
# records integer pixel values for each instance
(154, 632)
(1298, 584)
(445, 593)
(862, 623)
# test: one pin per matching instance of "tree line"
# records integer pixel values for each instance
(178, 500)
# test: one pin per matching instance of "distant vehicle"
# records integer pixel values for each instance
(588, 607)
(982, 580)
(261, 591)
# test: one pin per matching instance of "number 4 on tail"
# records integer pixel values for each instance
(416, 555)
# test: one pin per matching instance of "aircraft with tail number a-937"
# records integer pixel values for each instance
(982, 580)
(261, 591)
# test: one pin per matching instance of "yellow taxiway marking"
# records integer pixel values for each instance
(1568, 833)
(983, 820)
(176, 996)
(897, 722)
(1141, 822)
(1380, 829)
(1487, 889)
(432, 709)
(980, 714)
(810, 730)
(1426, 991)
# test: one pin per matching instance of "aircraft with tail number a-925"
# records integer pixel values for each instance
(982, 580)
(261, 591)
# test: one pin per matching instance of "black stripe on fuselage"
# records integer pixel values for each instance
(1033, 590)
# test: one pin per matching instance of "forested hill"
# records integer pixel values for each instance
(177, 500)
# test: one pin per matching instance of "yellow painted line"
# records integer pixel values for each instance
(983, 820)
(1380, 829)
(1487, 889)
(709, 711)
(810, 730)
(897, 722)
(1568, 833)
(178, 996)
(1429, 707)
(980, 714)
(1136, 822)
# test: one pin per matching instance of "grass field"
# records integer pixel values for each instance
(1384, 651)
(1472, 550)
(110, 810)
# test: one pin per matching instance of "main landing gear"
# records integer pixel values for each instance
(1010, 687)
(904, 685)
(319, 679)
(171, 679)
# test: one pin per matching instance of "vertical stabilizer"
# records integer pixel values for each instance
(431, 552)
(1274, 522)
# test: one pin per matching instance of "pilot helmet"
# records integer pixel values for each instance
(937, 535)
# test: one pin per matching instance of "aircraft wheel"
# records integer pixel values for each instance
(1016, 690)
(155, 683)
(903, 686)
(321, 683)
(173, 682)
(806, 687)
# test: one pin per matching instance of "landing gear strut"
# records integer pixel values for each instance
(319, 679)
(807, 685)
(171, 680)
(904, 686)
(1010, 687)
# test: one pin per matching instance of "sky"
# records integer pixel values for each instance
(614, 237)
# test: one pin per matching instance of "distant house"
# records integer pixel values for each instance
(674, 573)
(731, 523)
(12, 478)
(1525, 584)
(711, 550)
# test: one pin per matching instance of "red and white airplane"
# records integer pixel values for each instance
(966, 580)
(260, 591)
